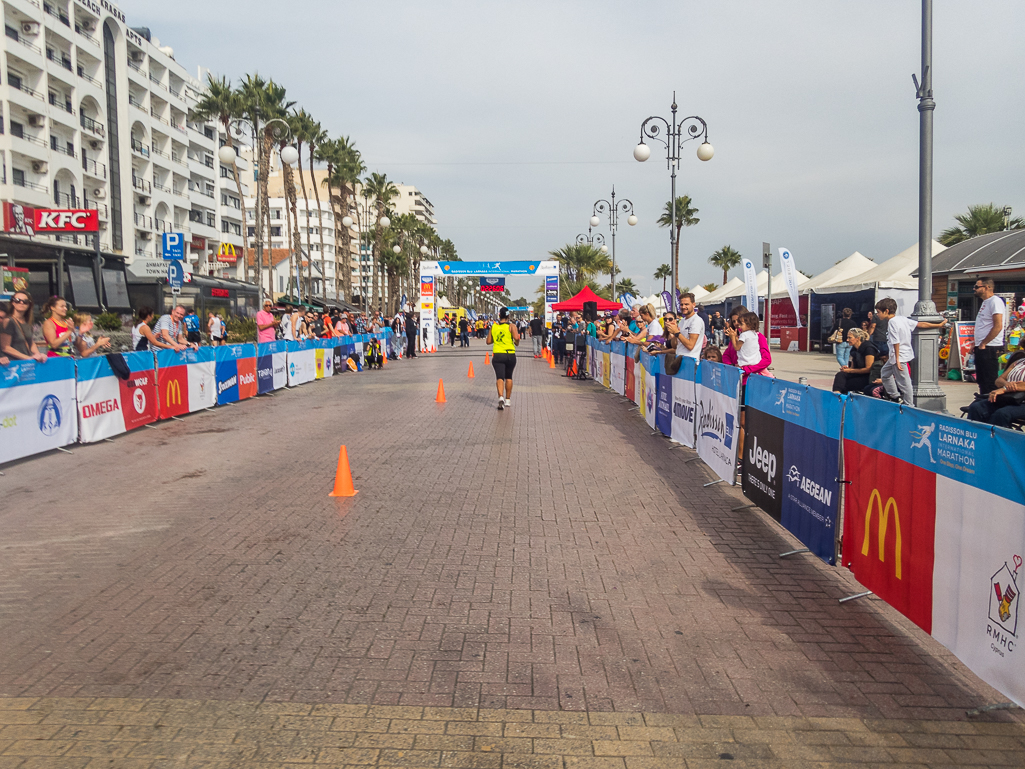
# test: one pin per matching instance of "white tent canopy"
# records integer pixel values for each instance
(843, 271)
(736, 288)
(895, 272)
(724, 291)
(699, 293)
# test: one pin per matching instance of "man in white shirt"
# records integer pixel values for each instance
(691, 337)
(896, 372)
(989, 335)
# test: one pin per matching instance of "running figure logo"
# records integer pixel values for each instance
(922, 436)
(781, 401)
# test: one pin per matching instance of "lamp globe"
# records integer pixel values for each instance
(226, 155)
(385, 221)
(289, 155)
(595, 221)
(346, 221)
(642, 152)
(632, 220)
(705, 151)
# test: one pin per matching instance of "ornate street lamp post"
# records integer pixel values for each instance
(676, 135)
(613, 210)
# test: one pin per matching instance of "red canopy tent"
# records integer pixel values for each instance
(576, 303)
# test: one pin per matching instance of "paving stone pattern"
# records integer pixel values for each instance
(551, 581)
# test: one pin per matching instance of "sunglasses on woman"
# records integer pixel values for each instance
(20, 301)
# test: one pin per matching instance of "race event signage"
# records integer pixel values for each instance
(37, 407)
(109, 405)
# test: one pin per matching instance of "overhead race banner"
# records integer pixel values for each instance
(37, 407)
(790, 278)
(751, 285)
(934, 524)
(791, 459)
(718, 396)
(109, 405)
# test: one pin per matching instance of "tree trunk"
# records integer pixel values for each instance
(292, 202)
(242, 203)
(288, 239)
(263, 192)
(320, 229)
(343, 241)
(306, 203)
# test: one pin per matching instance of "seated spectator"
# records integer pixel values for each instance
(856, 375)
(143, 337)
(170, 329)
(16, 342)
(712, 353)
(1006, 404)
(85, 345)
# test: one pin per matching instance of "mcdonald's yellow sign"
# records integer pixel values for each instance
(173, 393)
(226, 253)
(876, 502)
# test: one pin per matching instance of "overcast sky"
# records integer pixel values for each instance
(514, 118)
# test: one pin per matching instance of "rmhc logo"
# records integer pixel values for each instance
(875, 501)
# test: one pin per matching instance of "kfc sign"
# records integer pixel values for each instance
(66, 220)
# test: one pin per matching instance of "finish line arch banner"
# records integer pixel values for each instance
(38, 410)
(236, 372)
(186, 381)
(791, 459)
(718, 415)
(109, 405)
(934, 524)
(271, 363)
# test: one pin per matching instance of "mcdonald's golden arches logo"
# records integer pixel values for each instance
(173, 393)
(226, 253)
(876, 502)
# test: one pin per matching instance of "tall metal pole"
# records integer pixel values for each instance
(613, 210)
(612, 226)
(674, 159)
(925, 371)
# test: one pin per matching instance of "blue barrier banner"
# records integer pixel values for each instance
(109, 405)
(791, 459)
(38, 409)
(271, 366)
(934, 523)
(235, 372)
(718, 396)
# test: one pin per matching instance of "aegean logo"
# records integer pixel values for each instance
(809, 487)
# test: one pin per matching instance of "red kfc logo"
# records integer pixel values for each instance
(69, 220)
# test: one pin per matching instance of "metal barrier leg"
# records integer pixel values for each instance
(991, 708)
(66, 451)
(742, 507)
(794, 552)
(855, 596)
(712, 483)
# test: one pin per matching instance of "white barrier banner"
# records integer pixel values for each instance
(617, 373)
(718, 396)
(37, 407)
(685, 405)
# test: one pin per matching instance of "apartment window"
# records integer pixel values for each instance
(17, 129)
(211, 219)
(236, 229)
(19, 176)
(208, 132)
(275, 232)
(252, 232)
(226, 173)
(250, 215)
(224, 226)
(14, 80)
(275, 213)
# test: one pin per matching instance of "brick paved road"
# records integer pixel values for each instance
(544, 561)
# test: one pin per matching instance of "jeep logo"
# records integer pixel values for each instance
(762, 459)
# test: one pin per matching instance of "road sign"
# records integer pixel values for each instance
(175, 276)
(174, 246)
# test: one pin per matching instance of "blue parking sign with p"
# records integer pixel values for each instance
(174, 246)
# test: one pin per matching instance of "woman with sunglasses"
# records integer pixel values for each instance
(16, 340)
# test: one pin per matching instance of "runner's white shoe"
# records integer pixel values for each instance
(508, 403)
(501, 404)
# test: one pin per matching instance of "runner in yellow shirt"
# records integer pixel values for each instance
(503, 339)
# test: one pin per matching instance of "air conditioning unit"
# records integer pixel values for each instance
(93, 144)
(39, 167)
(145, 234)
(137, 55)
(89, 25)
(37, 121)
(30, 28)
(99, 193)
(144, 199)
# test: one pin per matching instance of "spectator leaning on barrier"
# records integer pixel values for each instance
(5, 313)
(266, 323)
(1005, 404)
(856, 375)
(691, 335)
(143, 337)
(171, 329)
(85, 345)
(16, 342)
(712, 353)
(58, 329)
(896, 373)
(989, 335)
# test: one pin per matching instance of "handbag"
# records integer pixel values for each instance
(836, 337)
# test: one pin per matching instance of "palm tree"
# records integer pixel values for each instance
(581, 261)
(384, 192)
(685, 217)
(303, 128)
(344, 169)
(710, 287)
(980, 220)
(726, 258)
(316, 135)
(222, 103)
(663, 273)
(626, 285)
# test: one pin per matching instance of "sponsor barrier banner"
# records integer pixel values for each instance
(685, 403)
(271, 366)
(109, 405)
(718, 397)
(934, 524)
(37, 407)
(791, 459)
(617, 372)
(648, 368)
(631, 373)
(302, 363)
(186, 381)
(236, 372)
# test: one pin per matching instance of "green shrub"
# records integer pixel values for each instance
(108, 321)
(241, 330)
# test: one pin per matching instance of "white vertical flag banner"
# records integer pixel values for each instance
(751, 283)
(790, 276)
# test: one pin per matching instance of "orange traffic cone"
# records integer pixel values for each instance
(551, 361)
(343, 477)
(487, 361)
(572, 369)
(469, 374)
(441, 393)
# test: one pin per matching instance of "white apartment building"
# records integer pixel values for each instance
(95, 115)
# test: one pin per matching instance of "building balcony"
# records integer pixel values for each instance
(142, 222)
(58, 13)
(94, 169)
(64, 200)
(92, 126)
(141, 185)
(139, 148)
(59, 57)
(100, 208)
(16, 36)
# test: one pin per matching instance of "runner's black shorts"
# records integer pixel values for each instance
(504, 363)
